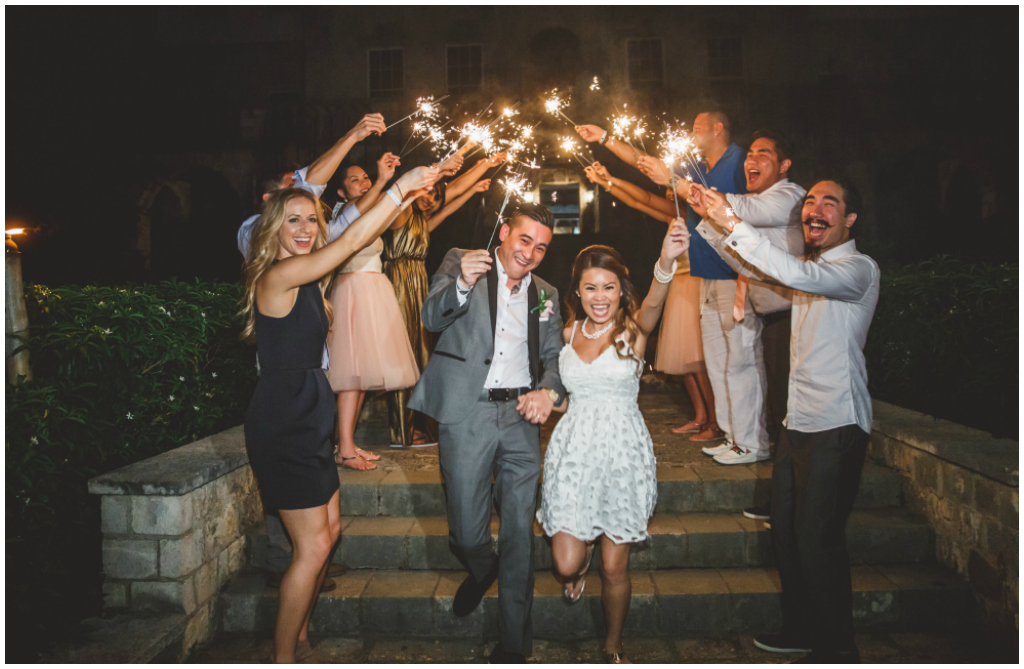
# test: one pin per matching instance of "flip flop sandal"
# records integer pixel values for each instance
(367, 455)
(582, 577)
(355, 469)
(687, 429)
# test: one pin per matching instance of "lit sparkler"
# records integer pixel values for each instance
(514, 184)
(555, 104)
(427, 107)
(595, 85)
(568, 144)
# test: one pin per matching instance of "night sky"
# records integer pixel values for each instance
(95, 97)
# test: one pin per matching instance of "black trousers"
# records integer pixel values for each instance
(814, 484)
(775, 337)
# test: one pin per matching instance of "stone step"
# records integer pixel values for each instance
(681, 489)
(676, 541)
(684, 603)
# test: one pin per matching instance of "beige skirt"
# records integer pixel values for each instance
(368, 343)
(680, 350)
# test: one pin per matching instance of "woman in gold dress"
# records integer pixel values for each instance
(404, 256)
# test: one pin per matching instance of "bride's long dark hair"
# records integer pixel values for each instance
(607, 258)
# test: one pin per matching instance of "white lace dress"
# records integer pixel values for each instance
(599, 470)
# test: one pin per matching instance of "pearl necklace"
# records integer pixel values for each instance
(596, 335)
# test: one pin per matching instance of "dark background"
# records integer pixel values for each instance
(133, 135)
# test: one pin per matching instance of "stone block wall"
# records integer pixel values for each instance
(175, 530)
(965, 482)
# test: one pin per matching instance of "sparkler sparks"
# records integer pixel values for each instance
(595, 85)
(426, 107)
(515, 184)
(568, 144)
(554, 105)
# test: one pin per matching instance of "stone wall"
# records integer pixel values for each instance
(175, 530)
(965, 482)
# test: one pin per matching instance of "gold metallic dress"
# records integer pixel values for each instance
(404, 256)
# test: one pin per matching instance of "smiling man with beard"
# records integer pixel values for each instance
(821, 452)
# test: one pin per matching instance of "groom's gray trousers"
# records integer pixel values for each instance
(495, 440)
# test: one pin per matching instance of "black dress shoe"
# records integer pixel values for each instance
(782, 643)
(469, 594)
(499, 656)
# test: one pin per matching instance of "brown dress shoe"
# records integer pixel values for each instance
(335, 569)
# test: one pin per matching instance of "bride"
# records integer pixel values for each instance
(599, 470)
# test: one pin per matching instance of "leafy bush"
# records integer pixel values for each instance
(119, 375)
(944, 342)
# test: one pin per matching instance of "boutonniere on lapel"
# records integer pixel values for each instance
(544, 305)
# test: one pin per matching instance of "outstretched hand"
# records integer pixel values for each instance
(415, 181)
(655, 170)
(496, 159)
(481, 186)
(697, 201)
(590, 133)
(676, 242)
(535, 406)
(452, 164)
(386, 166)
(369, 124)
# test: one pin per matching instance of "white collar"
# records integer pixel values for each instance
(503, 277)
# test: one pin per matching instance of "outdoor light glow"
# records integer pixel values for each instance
(528, 196)
(588, 196)
(14, 231)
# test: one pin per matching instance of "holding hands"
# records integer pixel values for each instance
(535, 406)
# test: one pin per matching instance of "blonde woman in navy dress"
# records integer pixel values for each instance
(290, 422)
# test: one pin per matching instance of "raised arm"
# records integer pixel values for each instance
(625, 152)
(323, 168)
(301, 269)
(453, 206)
(464, 182)
(385, 170)
(677, 241)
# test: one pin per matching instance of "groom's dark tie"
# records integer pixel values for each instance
(515, 288)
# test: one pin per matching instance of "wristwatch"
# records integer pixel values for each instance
(552, 393)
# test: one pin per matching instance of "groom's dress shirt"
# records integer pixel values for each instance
(833, 304)
(510, 365)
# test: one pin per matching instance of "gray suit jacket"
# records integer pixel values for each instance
(454, 378)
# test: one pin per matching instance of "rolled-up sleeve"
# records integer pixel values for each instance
(300, 182)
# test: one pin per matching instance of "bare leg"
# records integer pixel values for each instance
(700, 418)
(570, 557)
(334, 524)
(704, 385)
(310, 530)
(365, 455)
(616, 589)
(348, 411)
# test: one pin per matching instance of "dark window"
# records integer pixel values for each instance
(465, 68)
(387, 75)
(646, 67)
(725, 59)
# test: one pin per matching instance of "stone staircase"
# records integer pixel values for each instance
(705, 571)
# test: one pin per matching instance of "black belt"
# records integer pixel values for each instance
(505, 394)
(775, 317)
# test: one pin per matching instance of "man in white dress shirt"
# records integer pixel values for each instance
(821, 452)
(769, 206)
(492, 381)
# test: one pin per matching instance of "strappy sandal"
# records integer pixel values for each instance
(367, 455)
(567, 588)
(355, 469)
(692, 426)
(617, 658)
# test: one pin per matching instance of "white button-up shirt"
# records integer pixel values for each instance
(773, 213)
(335, 226)
(833, 304)
(510, 364)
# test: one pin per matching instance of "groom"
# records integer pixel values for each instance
(491, 382)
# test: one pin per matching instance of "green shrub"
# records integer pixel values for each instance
(119, 375)
(944, 342)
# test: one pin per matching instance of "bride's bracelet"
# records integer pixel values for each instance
(660, 275)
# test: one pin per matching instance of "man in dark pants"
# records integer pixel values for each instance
(821, 451)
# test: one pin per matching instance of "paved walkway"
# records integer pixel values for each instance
(874, 648)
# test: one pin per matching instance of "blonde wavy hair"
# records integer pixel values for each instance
(264, 248)
(607, 258)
